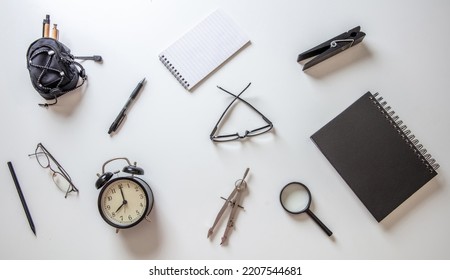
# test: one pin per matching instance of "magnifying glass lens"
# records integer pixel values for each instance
(295, 198)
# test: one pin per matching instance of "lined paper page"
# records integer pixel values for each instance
(204, 48)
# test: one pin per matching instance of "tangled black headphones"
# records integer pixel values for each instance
(53, 69)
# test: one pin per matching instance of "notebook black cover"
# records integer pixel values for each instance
(376, 156)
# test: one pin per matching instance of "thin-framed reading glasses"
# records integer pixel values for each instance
(60, 176)
(247, 133)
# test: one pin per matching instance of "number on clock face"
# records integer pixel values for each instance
(123, 202)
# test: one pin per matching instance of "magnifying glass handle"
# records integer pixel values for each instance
(319, 222)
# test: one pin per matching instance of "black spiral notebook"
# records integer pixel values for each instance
(375, 154)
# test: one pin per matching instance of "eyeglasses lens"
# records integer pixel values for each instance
(42, 157)
(61, 182)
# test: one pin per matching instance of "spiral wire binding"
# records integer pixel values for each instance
(174, 71)
(405, 133)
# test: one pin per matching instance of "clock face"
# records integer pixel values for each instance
(123, 202)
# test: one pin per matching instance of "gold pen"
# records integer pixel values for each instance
(46, 32)
(55, 32)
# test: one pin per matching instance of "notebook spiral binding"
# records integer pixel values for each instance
(405, 133)
(174, 72)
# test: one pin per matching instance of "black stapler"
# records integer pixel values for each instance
(332, 47)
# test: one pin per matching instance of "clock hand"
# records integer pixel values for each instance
(123, 197)
(120, 207)
(121, 192)
(123, 203)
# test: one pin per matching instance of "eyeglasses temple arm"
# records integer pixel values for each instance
(251, 106)
(226, 110)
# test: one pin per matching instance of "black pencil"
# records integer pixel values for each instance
(22, 198)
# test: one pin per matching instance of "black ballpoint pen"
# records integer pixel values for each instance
(123, 112)
(22, 198)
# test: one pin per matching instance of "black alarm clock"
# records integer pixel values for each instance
(126, 200)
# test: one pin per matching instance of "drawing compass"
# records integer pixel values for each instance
(233, 201)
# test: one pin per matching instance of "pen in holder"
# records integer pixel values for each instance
(52, 68)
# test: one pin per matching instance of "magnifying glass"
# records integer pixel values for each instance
(295, 198)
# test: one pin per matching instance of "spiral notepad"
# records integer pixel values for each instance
(376, 155)
(204, 48)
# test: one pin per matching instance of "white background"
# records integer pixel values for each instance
(404, 57)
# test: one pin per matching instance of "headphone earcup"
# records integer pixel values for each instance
(134, 170)
(103, 179)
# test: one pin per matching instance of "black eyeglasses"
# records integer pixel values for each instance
(60, 177)
(248, 133)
